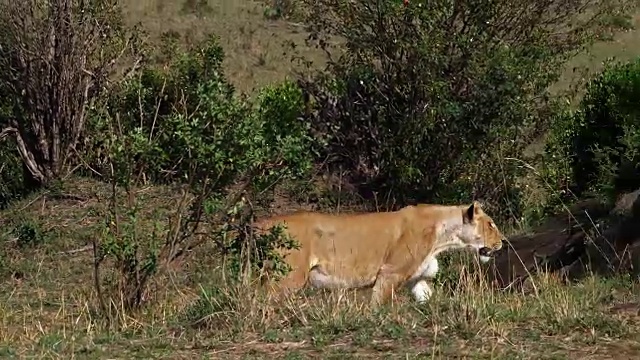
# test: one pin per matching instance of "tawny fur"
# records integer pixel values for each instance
(384, 250)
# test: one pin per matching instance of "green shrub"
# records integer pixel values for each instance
(12, 185)
(28, 233)
(607, 141)
(187, 126)
(429, 100)
(163, 104)
(596, 150)
(11, 175)
(556, 163)
(281, 9)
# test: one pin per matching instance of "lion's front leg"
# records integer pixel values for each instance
(418, 283)
(431, 268)
(421, 291)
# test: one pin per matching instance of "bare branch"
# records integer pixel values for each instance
(54, 58)
(7, 132)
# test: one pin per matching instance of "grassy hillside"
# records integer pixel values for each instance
(47, 298)
(258, 50)
(623, 46)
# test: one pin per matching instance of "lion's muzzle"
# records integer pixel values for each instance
(489, 252)
(485, 251)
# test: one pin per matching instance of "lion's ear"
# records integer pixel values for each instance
(472, 211)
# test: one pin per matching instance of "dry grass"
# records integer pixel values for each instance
(48, 306)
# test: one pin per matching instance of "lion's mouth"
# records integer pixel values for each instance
(485, 251)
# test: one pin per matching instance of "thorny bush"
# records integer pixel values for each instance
(429, 100)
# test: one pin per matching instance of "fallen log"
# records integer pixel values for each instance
(590, 237)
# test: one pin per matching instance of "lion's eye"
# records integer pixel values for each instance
(492, 225)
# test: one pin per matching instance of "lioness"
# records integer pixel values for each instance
(384, 249)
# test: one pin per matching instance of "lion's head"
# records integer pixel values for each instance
(480, 232)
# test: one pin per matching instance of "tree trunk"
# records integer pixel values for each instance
(572, 247)
(32, 170)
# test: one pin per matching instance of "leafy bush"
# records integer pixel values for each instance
(555, 177)
(429, 99)
(28, 233)
(11, 181)
(598, 146)
(165, 104)
(279, 9)
(223, 153)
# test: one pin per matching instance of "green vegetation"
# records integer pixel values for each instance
(593, 151)
(134, 160)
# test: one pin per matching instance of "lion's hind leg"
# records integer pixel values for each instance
(387, 282)
(295, 280)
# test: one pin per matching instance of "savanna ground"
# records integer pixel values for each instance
(47, 309)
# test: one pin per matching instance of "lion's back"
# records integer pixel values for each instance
(350, 238)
